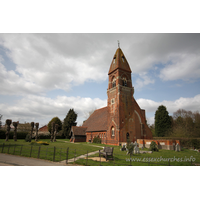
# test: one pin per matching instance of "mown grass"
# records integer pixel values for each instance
(160, 158)
(20, 147)
(30, 149)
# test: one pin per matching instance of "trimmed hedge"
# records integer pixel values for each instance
(20, 134)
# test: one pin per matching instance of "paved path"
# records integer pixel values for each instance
(14, 160)
(82, 156)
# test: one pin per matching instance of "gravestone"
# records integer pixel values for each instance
(8, 123)
(15, 124)
(52, 130)
(177, 147)
(55, 132)
(36, 131)
(136, 150)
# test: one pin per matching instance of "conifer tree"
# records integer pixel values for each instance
(162, 121)
(69, 121)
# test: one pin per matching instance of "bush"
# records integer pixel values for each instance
(28, 138)
(153, 146)
(190, 143)
(20, 134)
(44, 143)
(97, 140)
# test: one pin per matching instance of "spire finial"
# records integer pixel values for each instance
(118, 43)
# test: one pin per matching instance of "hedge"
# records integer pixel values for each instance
(20, 134)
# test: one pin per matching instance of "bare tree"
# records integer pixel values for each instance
(1, 116)
(87, 114)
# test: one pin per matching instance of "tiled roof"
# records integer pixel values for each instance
(79, 130)
(97, 120)
(120, 62)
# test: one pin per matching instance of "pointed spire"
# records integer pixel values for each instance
(119, 62)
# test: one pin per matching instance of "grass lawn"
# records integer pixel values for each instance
(20, 147)
(46, 151)
(155, 159)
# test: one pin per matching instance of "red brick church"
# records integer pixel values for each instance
(122, 118)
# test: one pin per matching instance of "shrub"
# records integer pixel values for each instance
(20, 134)
(44, 143)
(153, 146)
(97, 140)
(28, 138)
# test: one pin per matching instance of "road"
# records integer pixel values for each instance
(13, 160)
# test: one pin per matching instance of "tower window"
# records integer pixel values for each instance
(123, 58)
(113, 131)
(114, 82)
(124, 82)
(112, 101)
(114, 60)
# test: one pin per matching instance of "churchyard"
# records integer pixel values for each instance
(63, 150)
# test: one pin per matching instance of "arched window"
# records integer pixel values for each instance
(124, 82)
(114, 60)
(127, 136)
(123, 58)
(114, 82)
(113, 131)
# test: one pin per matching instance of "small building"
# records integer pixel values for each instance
(78, 134)
(43, 130)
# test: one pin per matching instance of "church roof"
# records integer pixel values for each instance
(119, 62)
(97, 120)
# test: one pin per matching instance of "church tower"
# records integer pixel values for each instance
(125, 118)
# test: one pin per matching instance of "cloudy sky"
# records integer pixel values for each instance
(44, 75)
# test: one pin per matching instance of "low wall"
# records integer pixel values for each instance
(162, 144)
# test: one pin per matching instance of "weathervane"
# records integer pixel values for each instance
(118, 44)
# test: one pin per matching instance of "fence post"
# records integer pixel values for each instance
(67, 155)
(8, 148)
(74, 154)
(21, 150)
(31, 150)
(100, 157)
(39, 152)
(113, 159)
(87, 158)
(148, 161)
(60, 153)
(130, 158)
(14, 150)
(46, 153)
(169, 162)
(2, 148)
(191, 162)
(54, 153)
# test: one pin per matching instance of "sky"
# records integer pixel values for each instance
(44, 75)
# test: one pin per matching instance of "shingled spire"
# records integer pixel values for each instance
(119, 62)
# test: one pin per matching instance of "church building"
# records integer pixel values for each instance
(122, 118)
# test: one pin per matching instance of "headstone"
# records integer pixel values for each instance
(142, 148)
(52, 130)
(177, 147)
(15, 124)
(36, 131)
(8, 123)
(136, 150)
